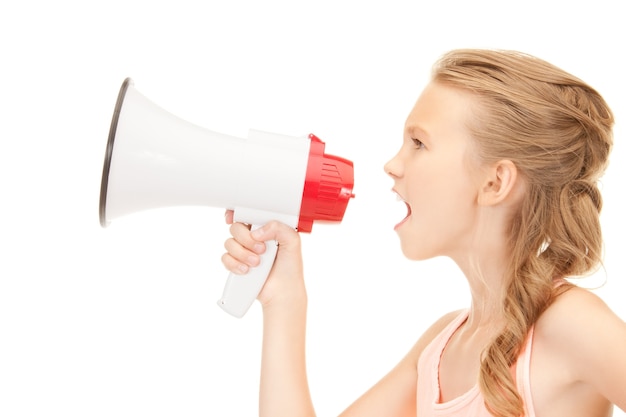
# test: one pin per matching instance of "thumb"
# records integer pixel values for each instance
(285, 236)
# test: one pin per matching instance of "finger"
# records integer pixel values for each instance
(241, 233)
(228, 216)
(240, 253)
(233, 265)
(280, 232)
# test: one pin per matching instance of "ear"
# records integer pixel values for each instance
(501, 184)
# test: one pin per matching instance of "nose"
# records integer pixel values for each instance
(393, 167)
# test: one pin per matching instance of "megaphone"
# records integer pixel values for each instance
(154, 159)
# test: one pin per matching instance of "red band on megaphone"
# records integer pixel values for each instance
(327, 187)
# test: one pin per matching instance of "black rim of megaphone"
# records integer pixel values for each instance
(109, 151)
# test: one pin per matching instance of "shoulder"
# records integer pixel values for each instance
(439, 325)
(584, 334)
(431, 332)
(576, 314)
(395, 393)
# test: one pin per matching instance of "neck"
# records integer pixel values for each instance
(488, 292)
(486, 268)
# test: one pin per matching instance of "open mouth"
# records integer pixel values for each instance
(408, 210)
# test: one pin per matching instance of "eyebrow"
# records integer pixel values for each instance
(416, 131)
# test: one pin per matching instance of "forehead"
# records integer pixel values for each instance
(440, 109)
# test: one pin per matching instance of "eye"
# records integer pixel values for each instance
(418, 143)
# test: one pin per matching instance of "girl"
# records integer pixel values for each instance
(498, 168)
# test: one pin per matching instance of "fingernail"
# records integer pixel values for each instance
(243, 268)
(259, 247)
(253, 260)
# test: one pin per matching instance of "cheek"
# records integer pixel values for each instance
(441, 186)
(445, 202)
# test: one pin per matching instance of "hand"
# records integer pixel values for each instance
(285, 282)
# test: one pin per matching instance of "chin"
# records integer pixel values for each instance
(416, 254)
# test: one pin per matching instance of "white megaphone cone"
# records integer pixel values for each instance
(154, 159)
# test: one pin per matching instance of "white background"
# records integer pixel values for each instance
(122, 321)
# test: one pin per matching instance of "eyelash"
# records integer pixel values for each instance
(418, 143)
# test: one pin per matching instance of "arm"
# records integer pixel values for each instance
(591, 340)
(284, 387)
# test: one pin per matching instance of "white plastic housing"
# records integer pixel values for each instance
(155, 159)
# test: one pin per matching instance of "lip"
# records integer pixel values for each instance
(408, 207)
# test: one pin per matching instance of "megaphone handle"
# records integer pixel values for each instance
(241, 290)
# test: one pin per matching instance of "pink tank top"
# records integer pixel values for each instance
(470, 404)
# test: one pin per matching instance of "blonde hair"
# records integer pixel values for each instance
(557, 130)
